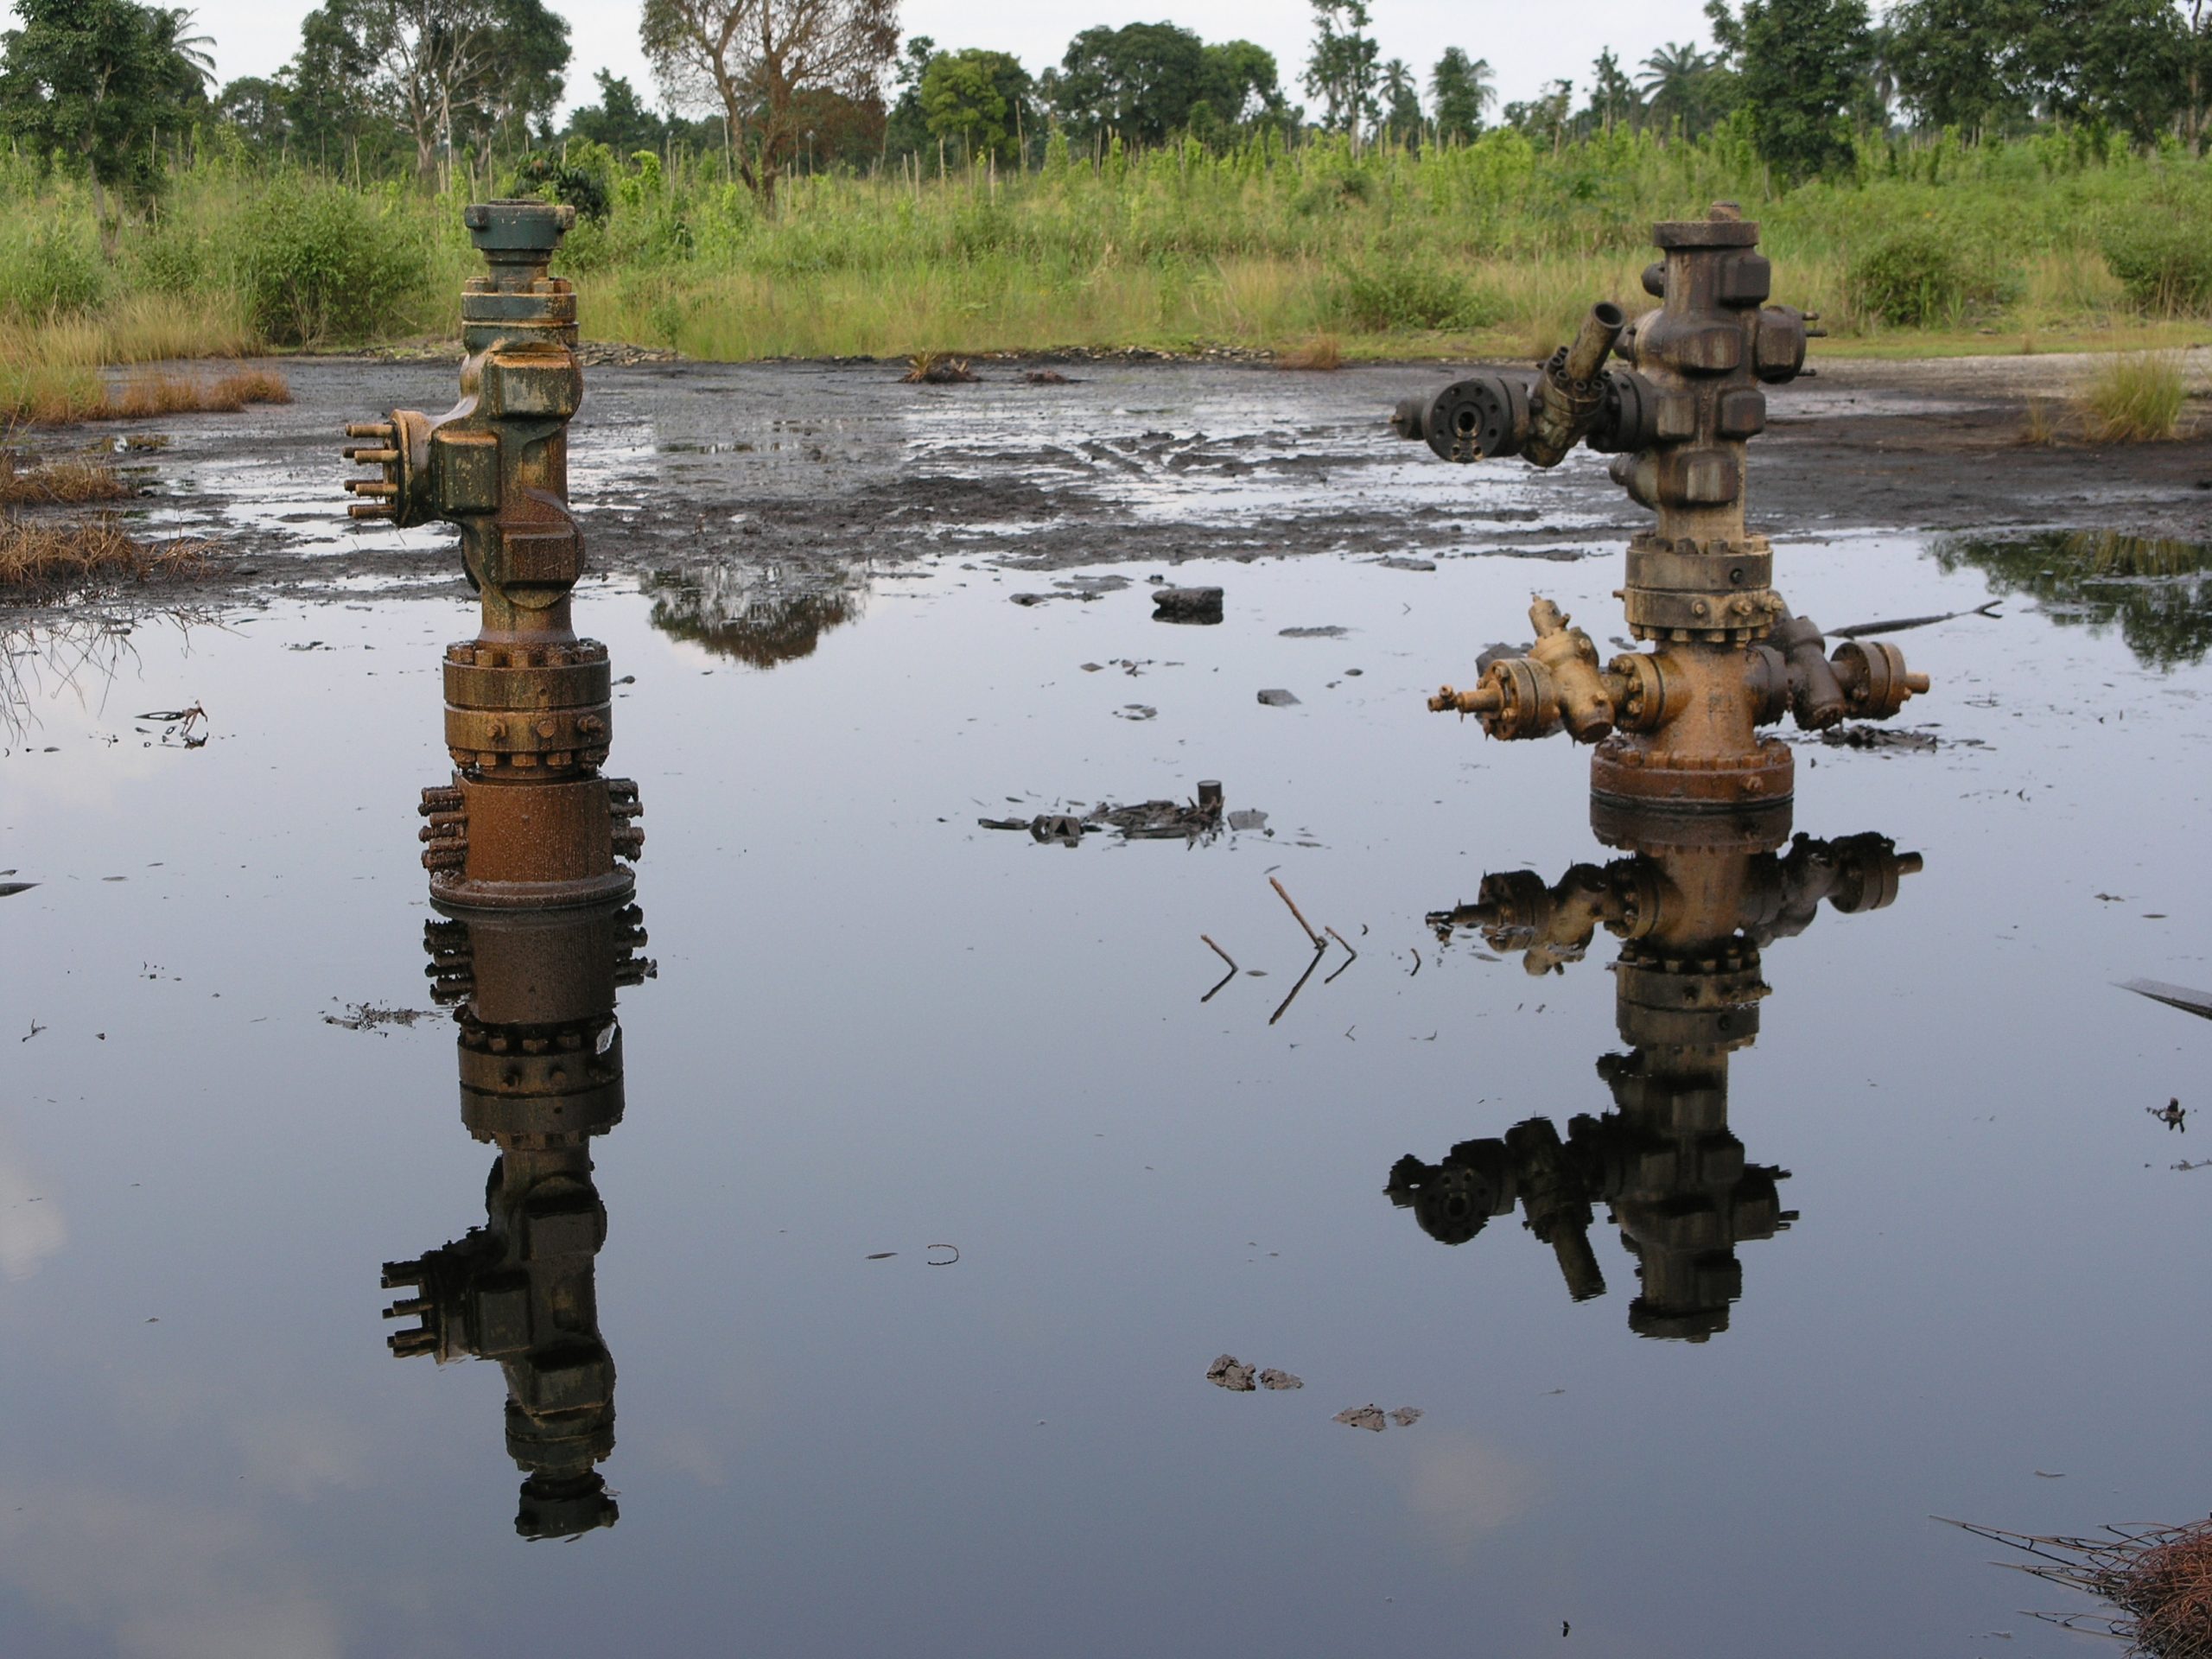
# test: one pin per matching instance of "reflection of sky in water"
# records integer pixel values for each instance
(878, 1026)
(1210, 448)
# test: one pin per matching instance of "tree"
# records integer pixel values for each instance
(1612, 95)
(1341, 71)
(1139, 80)
(983, 99)
(757, 60)
(1800, 65)
(1239, 82)
(1675, 83)
(1958, 62)
(257, 108)
(1544, 120)
(2122, 64)
(1461, 90)
(1401, 115)
(619, 120)
(906, 131)
(442, 68)
(96, 79)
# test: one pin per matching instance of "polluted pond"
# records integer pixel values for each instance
(1777, 1154)
(1811, 1228)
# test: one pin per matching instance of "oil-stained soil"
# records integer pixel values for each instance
(804, 473)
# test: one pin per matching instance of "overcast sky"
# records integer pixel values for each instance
(1526, 44)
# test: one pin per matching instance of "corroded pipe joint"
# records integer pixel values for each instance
(1570, 397)
(1872, 675)
(1570, 663)
(1816, 695)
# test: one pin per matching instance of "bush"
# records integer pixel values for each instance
(2135, 399)
(1396, 295)
(172, 263)
(1910, 278)
(2163, 262)
(329, 266)
(52, 273)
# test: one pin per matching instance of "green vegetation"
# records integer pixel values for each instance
(2135, 399)
(1151, 189)
(2158, 591)
(1494, 246)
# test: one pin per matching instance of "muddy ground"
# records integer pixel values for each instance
(818, 467)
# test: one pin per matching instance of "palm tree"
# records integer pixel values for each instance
(1670, 78)
(1463, 89)
(1400, 100)
(191, 51)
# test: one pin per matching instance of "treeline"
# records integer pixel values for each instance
(119, 92)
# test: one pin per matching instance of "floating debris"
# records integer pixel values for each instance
(1231, 1373)
(1200, 605)
(366, 1016)
(1330, 633)
(1276, 697)
(1193, 821)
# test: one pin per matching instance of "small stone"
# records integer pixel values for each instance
(1363, 1417)
(1272, 1378)
(1406, 1416)
(1276, 697)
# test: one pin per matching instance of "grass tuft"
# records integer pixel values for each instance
(64, 394)
(1321, 353)
(45, 559)
(70, 481)
(2134, 399)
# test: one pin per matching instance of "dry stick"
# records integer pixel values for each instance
(1296, 988)
(1225, 979)
(1320, 944)
(1345, 942)
(1218, 951)
(1416, 972)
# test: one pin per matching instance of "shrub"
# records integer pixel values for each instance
(326, 265)
(172, 263)
(2163, 262)
(2134, 399)
(1396, 295)
(1910, 278)
(51, 273)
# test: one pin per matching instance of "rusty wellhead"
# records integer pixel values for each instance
(1676, 725)
(528, 821)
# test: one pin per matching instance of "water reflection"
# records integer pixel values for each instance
(540, 1055)
(759, 613)
(2156, 591)
(1695, 905)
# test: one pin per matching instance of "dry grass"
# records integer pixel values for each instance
(1322, 353)
(2157, 1581)
(2038, 427)
(70, 481)
(2134, 399)
(42, 559)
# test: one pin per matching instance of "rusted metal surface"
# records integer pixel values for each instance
(1676, 725)
(527, 821)
(1696, 902)
(540, 1061)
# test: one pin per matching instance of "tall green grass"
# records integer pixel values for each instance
(1491, 246)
